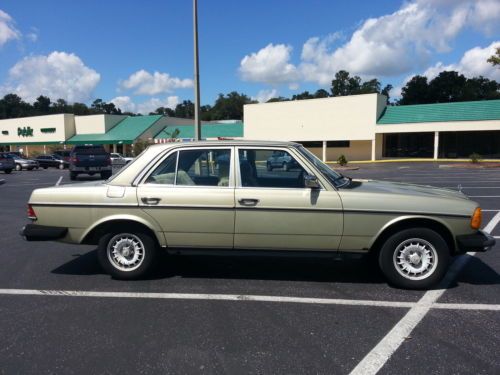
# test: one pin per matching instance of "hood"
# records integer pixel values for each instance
(387, 187)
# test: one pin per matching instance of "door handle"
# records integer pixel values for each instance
(150, 201)
(248, 202)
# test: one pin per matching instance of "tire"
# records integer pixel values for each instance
(30, 169)
(44, 167)
(401, 246)
(61, 166)
(105, 175)
(269, 167)
(18, 167)
(127, 266)
(72, 176)
(7, 171)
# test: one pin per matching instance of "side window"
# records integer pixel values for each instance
(270, 168)
(204, 167)
(200, 167)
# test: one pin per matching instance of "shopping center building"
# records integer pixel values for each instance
(364, 127)
(360, 127)
(44, 134)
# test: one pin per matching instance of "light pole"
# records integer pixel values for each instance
(197, 122)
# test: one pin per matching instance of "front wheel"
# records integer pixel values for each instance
(414, 258)
(127, 255)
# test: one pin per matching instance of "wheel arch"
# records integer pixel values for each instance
(408, 222)
(105, 225)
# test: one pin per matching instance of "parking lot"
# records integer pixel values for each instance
(61, 314)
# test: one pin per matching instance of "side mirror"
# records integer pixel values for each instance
(311, 182)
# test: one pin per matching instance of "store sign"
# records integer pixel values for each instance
(48, 130)
(25, 132)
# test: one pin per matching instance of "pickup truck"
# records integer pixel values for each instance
(89, 159)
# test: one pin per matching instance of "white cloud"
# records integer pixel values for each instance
(145, 83)
(57, 75)
(472, 64)
(271, 65)
(8, 30)
(264, 95)
(126, 104)
(386, 46)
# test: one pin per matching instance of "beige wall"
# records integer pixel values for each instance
(340, 118)
(96, 124)
(439, 126)
(64, 125)
(358, 150)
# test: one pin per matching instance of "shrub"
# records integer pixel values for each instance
(342, 160)
(475, 157)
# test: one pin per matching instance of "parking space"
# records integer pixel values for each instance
(246, 315)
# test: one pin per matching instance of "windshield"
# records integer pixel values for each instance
(337, 179)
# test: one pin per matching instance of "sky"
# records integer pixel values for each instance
(139, 54)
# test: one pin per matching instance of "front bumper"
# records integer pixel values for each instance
(479, 241)
(35, 232)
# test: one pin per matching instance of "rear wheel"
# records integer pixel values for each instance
(61, 166)
(414, 258)
(126, 255)
(72, 176)
(44, 167)
(7, 171)
(18, 167)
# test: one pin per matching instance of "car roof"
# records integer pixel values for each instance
(226, 143)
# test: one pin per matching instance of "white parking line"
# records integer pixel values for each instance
(381, 353)
(493, 223)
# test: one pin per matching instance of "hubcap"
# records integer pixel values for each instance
(125, 251)
(415, 259)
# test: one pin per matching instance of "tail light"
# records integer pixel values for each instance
(475, 221)
(74, 159)
(31, 213)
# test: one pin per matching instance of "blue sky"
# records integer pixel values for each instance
(111, 49)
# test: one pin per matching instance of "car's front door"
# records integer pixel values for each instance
(274, 209)
(190, 193)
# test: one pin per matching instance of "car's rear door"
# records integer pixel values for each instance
(274, 210)
(190, 193)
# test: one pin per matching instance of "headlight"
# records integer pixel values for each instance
(475, 221)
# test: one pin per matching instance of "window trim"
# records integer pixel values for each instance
(178, 150)
(289, 151)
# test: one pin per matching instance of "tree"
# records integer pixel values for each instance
(165, 111)
(278, 99)
(184, 109)
(387, 91)
(416, 91)
(447, 87)
(42, 105)
(321, 93)
(302, 96)
(344, 84)
(12, 106)
(495, 59)
(230, 106)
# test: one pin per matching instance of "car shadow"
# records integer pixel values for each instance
(276, 268)
(477, 272)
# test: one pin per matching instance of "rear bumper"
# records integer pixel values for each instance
(73, 168)
(34, 232)
(479, 241)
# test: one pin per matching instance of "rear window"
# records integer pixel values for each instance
(89, 150)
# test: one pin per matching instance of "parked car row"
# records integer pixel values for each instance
(85, 159)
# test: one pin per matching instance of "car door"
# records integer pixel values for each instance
(190, 193)
(274, 209)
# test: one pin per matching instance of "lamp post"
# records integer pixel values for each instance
(197, 122)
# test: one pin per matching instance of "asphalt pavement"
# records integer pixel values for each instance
(248, 315)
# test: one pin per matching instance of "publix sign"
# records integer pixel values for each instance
(26, 131)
